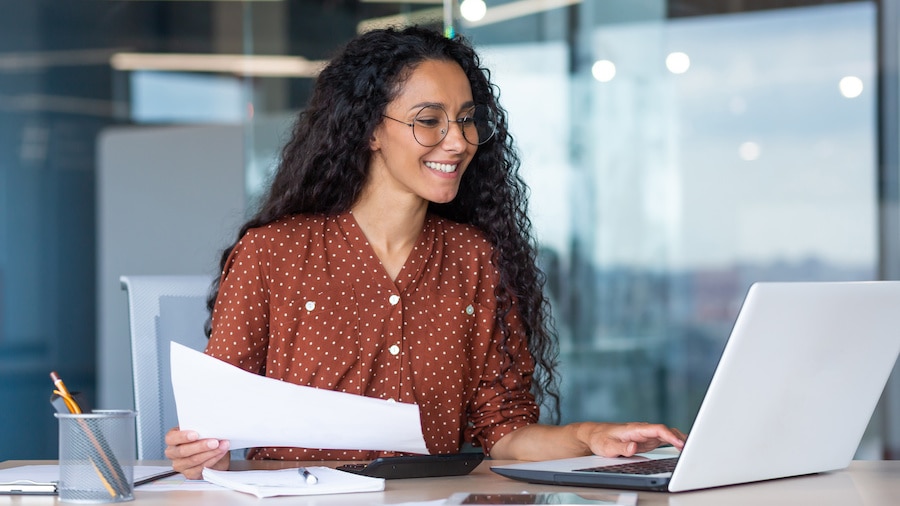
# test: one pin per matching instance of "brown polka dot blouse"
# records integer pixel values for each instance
(306, 300)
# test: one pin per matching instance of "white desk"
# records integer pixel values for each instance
(864, 483)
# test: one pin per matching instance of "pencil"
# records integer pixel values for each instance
(106, 485)
(63, 392)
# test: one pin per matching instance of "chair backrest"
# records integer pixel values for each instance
(161, 309)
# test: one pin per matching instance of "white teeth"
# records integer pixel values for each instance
(443, 167)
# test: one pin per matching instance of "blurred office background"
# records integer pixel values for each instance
(677, 151)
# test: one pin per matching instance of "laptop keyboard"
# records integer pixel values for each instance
(655, 466)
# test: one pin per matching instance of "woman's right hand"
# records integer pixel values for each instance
(190, 454)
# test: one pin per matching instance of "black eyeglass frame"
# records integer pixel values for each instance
(458, 121)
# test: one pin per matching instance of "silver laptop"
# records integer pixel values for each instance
(792, 394)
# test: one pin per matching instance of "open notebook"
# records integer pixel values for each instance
(292, 481)
(792, 394)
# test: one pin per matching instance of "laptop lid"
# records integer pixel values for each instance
(792, 394)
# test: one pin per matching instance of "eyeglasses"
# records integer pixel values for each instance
(431, 124)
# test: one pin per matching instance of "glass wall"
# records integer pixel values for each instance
(677, 151)
(715, 151)
(674, 160)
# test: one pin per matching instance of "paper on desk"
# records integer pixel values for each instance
(222, 401)
(275, 482)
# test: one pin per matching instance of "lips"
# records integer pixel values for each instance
(442, 167)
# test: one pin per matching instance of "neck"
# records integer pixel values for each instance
(392, 228)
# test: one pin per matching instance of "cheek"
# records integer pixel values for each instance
(473, 150)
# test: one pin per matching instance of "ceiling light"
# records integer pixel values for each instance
(851, 86)
(238, 64)
(472, 10)
(678, 62)
(603, 70)
(518, 9)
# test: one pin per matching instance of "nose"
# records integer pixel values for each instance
(454, 141)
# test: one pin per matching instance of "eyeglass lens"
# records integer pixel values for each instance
(431, 125)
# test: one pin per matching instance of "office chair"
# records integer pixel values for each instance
(161, 309)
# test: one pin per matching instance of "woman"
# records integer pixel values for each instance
(393, 258)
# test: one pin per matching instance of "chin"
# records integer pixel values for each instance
(442, 199)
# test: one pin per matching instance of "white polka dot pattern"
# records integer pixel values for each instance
(306, 300)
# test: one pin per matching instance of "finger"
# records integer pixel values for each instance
(614, 447)
(196, 472)
(655, 434)
(681, 438)
(629, 439)
(674, 437)
(663, 437)
(192, 465)
(195, 450)
(177, 437)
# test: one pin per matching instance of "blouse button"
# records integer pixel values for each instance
(394, 349)
(310, 305)
(394, 299)
(470, 310)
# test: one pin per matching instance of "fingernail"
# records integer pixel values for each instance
(192, 436)
(212, 443)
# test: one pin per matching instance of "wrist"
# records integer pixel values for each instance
(582, 433)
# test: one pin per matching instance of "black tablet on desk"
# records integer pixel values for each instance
(418, 466)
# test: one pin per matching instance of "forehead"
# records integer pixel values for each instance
(434, 82)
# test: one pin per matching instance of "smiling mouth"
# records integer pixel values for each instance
(442, 167)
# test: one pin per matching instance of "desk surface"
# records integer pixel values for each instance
(864, 483)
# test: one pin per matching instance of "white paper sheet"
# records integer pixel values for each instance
(221, 401)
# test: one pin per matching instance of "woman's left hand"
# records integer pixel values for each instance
(545, 442)
(627, 439)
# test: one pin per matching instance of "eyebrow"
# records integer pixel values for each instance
(420, 105)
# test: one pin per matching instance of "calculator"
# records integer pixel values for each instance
(417, 466)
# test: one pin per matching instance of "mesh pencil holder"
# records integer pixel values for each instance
(96, 456)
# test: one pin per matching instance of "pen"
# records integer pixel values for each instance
(310, 477)
(63, 392)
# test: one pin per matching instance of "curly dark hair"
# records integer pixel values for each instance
(324, 167)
